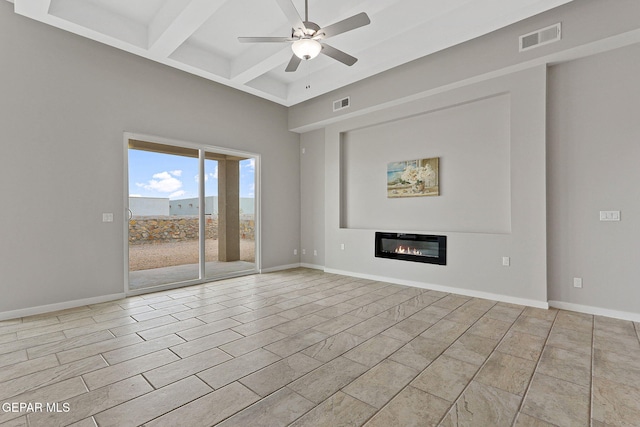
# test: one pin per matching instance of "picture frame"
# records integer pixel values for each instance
(413, 178)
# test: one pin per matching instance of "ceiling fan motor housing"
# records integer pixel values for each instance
(311, 28)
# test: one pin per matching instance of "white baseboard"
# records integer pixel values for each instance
(313, 266)
(588, 309)
(448, 289)
(32, 311)
(279, 268)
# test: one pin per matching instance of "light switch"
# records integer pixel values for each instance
(609, 215)
(506, 261)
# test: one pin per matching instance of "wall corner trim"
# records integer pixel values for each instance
(313, 266)
(31, 311)
(279, 268)
(598, 311)
(448, 289)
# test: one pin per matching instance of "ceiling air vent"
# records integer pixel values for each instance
(341, 104)
(541, 37)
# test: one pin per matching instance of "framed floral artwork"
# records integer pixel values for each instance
(413, 178)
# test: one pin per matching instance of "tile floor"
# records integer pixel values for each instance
(305, 348)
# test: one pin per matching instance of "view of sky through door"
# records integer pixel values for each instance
(165, 217)
(175, 177)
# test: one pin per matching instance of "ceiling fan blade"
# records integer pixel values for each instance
(265, 39)
(291, 13)
(293, 64)
(338, 55)
(356, 21)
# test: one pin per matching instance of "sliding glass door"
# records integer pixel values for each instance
(192, 215)
(230, 244)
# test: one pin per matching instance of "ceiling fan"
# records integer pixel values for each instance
(307, 37)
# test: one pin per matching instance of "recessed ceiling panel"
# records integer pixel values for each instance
(140, 11)
(201, 36)
(239, 18)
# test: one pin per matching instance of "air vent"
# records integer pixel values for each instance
(341, 104)
(541, 37)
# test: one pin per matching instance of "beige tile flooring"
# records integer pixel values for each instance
(305, 348)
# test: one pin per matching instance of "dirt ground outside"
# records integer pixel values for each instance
(157, 255)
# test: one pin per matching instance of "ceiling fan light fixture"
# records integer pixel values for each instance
(306, 48)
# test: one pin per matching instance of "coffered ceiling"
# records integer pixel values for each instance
(201, 36)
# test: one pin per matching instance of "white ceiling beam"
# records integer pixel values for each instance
(32, 8)
(93, 18)
(269, 85)
(245, 68)
(195, 56)
(163, 19)
(170, 31)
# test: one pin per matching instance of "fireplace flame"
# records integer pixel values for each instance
(407, 250)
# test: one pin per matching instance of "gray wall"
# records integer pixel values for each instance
(312, 198)
(513, 105)
(593, 165)
(65, 104)
(475, 191)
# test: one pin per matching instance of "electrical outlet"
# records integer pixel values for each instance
(506, 261)
(107, 217)
(315, 252)
(577, 282)
(342, 246)
(304, 252)
(295, 252)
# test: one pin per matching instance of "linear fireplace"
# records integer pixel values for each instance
(412, 247)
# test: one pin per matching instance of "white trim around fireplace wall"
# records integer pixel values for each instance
(448, 289)
(597, 311)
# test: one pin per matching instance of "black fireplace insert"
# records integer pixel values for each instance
(412, 247)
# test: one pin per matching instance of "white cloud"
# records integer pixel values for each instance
(164, 182)
(197, 178)
(249, 164)
(177, 194)
(162, 175)
(212, 175)
(176, 172)
(135, 195)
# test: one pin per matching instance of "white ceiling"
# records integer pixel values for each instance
(200, 36)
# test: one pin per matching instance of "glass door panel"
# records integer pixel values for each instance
(230, 220)
(248, 211)
(164, 215)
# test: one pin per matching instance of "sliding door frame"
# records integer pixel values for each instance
(202, 150)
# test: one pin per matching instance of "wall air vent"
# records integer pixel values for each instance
(341, 104)
(541, 37)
